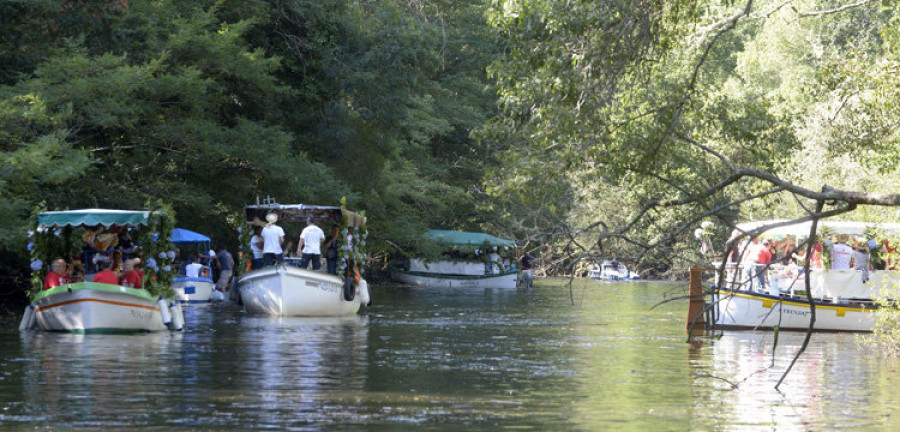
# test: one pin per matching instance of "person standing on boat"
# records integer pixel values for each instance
(57, 275)
(273, 238)
(256, 247)
(226, 266)
(748, 262)
(310, 244)
(331, 251)
(841, 254)
(860, 261)
(763, 259)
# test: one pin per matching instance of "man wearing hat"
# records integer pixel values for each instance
(273, 237)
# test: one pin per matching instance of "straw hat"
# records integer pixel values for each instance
(272, 217)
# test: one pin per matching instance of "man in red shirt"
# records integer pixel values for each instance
(107, 276)
(762, 262)
(57, 275)
(131, 278)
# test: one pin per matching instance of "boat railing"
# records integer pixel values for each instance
(834, 285)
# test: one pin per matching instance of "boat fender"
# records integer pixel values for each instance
(349, 289)
(217, 295)
(177, 316)
(365, 296)
(27, 319)
(164, 311)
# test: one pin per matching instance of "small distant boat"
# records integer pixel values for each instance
(612, 271)
(90, 307)
(287, 290)
(192, 289)
(486, 268)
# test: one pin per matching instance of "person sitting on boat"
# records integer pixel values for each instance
(310, 244)
(256, 247)
(107, 275)
(193, 269)
(226, 265)
(331, 251)
(273, 238)
(57, 275)
(841, 254)
(131, 278)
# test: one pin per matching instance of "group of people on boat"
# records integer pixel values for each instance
(758, 255)
(129, 274)
(267, 245)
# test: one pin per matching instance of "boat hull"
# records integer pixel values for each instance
(746, 310)
(501, 281)
(193, 290)
(97, 308)
(291, 291)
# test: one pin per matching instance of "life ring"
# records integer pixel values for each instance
(349, 289)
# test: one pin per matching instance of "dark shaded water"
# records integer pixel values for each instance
(429, 359)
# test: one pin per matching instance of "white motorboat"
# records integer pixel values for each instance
(287, 290)
(478, 263)
(192, 289)
(612, 271)
(843, 300)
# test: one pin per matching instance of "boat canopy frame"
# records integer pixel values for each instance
(297, 213)
(92, 217)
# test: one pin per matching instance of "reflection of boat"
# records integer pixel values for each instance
(90, 307)
(285, 290)
(476, 262)
(843, 301)
(612, 271)
(191, 289)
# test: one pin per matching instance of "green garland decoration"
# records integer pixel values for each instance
(245, 234)
(156, 244)
(351, 255)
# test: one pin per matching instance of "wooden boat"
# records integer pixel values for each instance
(192, 289)
(287, 290)
(843, 301)
(89, 307)
(478, 265)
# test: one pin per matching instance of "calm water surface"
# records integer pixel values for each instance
(429, 359)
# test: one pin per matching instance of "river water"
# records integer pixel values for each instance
(431, 359)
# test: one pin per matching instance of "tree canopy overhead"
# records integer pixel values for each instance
(646, 118)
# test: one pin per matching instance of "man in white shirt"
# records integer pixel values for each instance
(192, 270)
(310, 244)
(841, 254)
(273, 237)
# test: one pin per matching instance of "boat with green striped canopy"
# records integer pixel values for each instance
(78, 304)
(469, 259)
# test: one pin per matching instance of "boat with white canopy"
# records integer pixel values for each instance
(79, 304)
(284, 289)
(754, 296)
(470, 259)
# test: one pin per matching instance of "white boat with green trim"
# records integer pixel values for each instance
(91, 307)
(87, 307)
(283, 289)
(478, 263)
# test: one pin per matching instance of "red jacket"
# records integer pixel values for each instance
(53, 280)
(132, 279)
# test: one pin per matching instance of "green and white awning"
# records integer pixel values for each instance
(462, 238)
(92, 218)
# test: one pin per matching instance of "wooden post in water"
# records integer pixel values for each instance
(696, 320)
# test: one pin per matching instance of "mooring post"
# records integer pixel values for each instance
(696, 319)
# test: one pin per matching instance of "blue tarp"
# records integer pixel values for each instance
(181, 235)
